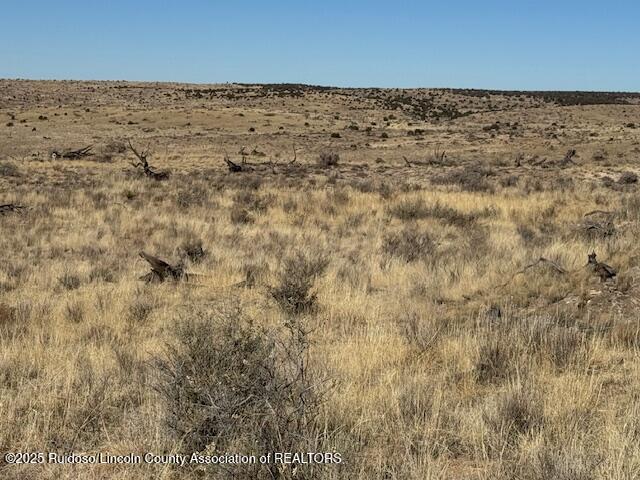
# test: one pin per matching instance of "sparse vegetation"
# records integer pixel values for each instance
(328, 159)
(447, 298)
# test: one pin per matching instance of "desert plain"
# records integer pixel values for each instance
(399, 276)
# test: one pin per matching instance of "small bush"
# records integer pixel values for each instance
(328, 159)
(195, 195)
(140, 310)
(470, 178)
(495, 361)
(563, 346)
(628, 178)
(240, 216)
(419, 332)
(251, 201)
(293, 292)
(560, 462)
(74, 311)
(253, 274)
(509, 181)
(70, 281)
(192, 249)
(103, 274)
(407, 210)
(8, 169)
(8, 318)
(230, 385)
(517, 412)
(409, 244)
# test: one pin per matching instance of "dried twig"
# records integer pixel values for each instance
(594, 212)
(546, 261)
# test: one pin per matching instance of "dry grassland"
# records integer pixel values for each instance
(378, 307)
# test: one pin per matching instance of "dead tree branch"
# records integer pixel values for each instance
(233, 167)
(599, 212)
(72, 154)
(143, 163)
(568, 158)
(11, 208)
(161, 270)
(543, 260)
(295, 156)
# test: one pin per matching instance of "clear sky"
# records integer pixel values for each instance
(545, 45)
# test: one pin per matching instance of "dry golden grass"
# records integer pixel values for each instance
(439, 360)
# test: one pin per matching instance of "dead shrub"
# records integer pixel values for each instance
(469, 178)
(9, 169)
(240, 216)
(495, 362)
(230, 385)
(591, 230)
(564, 346)
(101, 274)
(328, 159)
(516, 413)
(409, 244)
(628, 178)
(194, 196)
(70, 281)
(252, 201)
(409, 210)
(420, 333)
(192, 249)
(560, 462)
(74, 312)
(625, 334)
(139, 310)
(299, 272)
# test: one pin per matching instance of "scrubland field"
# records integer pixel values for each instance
(410, 289)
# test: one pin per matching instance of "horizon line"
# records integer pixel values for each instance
(312, 85)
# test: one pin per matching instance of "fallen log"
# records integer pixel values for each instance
(72, 154)
(11, 208)
(161, 270)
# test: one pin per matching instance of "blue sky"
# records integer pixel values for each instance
(545, 45)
